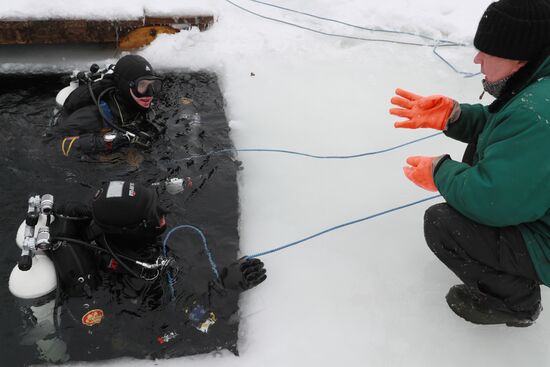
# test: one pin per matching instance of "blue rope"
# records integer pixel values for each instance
(208, 253)
(217, 152)
(341, 226)
(321, 32)
(466, 74)
(169, 274)
(213, 264)
(318, 157)
(357, 26)
(436, 42)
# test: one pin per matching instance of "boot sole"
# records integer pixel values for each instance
(480, 321)
(479, 315)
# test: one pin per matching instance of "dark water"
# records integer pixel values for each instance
(192, 109)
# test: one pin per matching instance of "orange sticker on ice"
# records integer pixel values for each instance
(93, 317)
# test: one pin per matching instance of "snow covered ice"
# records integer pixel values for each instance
(367, 295)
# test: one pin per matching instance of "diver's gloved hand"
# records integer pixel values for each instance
(107, 143)
(114, 141)
(92, 143)
(243, 274)
(70, 219)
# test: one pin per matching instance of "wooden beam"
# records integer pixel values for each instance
(203, 22)
(63, 31)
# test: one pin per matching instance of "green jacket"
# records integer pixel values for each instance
(509, 182)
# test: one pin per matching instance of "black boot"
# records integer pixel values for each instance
(479, 308)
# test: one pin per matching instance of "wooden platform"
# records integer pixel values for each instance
(125, 34)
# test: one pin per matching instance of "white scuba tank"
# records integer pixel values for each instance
(78, 78)
(40, 279)
(35, 288)
(64, 93)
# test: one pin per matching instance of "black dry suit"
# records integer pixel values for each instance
(109, 305)
(101, 116)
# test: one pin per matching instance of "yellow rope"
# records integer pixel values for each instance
(71, 144)
(63, 147)
(66, 152)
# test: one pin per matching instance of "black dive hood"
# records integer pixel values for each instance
(128, 211)
(128, 71)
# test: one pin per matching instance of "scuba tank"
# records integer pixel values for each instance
(82, 90)
(79, 91)
(33, 239)
(33, 281)
(46, 269)
(65, 92)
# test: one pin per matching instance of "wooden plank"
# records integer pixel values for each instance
(200, 21)
(63, 31)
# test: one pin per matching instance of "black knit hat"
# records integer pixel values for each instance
(514, 29)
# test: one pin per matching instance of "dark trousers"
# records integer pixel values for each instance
(492, 260)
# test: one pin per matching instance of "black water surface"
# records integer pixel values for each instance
(191, 106)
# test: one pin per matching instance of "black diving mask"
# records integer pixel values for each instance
(147, 86)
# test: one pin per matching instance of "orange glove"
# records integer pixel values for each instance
(432, 111)
(422, 171)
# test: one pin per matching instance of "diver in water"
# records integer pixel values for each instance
(119, 290)
(104, 115)
(113, 110)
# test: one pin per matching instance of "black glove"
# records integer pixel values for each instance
(97, 143)
(119, 141)
(243, 274)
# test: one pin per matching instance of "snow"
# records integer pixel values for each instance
(371, 294)
(100, 9)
